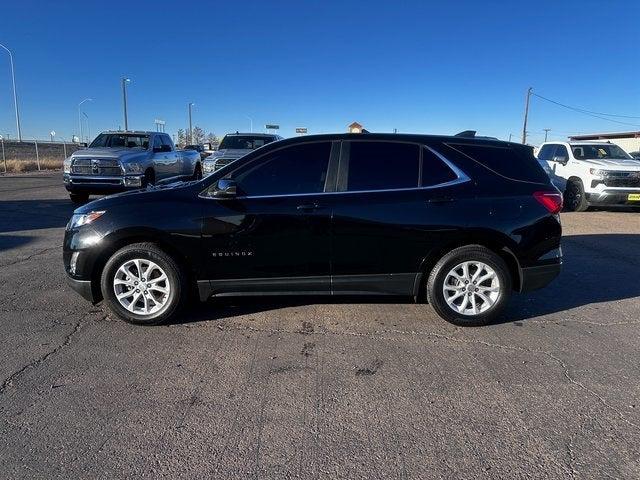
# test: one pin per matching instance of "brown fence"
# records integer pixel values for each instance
(30, 155)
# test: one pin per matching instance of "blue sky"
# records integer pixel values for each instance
(435, 67)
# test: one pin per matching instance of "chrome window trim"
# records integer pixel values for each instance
(462, 178)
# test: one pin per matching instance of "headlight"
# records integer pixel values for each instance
(207, 167)
(132, 167)
(66, 165)
(597, 172)
(80, 219)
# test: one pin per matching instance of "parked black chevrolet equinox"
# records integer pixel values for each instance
(460, 221)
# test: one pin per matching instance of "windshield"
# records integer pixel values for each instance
(599, 152)
(244, 142)
(120, 140)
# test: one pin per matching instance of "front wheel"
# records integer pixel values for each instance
(197, 172)
(143, 285)
(575, 199)
(469, 286)
(79, 198)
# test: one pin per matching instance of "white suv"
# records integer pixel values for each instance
(591, 173)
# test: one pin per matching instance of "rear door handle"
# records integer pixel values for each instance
(309, 207)
(440, 200)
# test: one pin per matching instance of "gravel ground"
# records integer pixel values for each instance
(311, 388)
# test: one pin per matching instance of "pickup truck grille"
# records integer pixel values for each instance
(96, 166)
(222, 162)
(623, 179)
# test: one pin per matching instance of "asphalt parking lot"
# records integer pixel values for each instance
(314, 388)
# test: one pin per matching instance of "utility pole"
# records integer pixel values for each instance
(510, 135)
(15, 95)
(546, 131)
(526, 117)
(124, 101)
(190, 124)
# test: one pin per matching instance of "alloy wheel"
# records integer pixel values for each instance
(471, 288)
(141, 287)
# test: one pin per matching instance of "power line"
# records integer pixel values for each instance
(590, 113)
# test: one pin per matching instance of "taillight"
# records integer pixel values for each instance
(552, 201)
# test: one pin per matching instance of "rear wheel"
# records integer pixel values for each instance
(469, 286)
(143, 285)
(575, 199)
(79, 197)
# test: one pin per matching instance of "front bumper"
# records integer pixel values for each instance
(613, 197)
(102, 184)
(84, 288)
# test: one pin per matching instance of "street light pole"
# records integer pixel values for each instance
(80, 130)
(15, 95)
(190, 124)
(251, 123)
(546, 131)
(124, 101)
(88, 127)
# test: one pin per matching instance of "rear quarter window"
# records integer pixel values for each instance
(516, 163)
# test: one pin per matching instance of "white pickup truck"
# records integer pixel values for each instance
(591, 173)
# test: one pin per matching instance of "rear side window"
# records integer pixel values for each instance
(294, 170)
(511, 162)
(434, 170)
(382, 165)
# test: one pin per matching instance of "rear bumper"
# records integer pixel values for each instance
(534, 278)
(83, 287)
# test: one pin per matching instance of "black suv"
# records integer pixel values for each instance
(459, 221)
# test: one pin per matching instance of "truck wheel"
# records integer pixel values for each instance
(574, 198)
(197, 173)
(469, 286)
(79, 197)
(143, 285)
(149, 178)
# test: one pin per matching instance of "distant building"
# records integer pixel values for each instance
(629, 141)
(355, 127)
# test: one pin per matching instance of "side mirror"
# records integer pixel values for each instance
(562, 160)
(162, 149)
(225, 189)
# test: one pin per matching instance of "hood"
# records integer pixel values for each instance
(627, 164)
(106, 152)
(230, 153)
(138, 197)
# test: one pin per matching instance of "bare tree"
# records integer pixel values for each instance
(182, 138)
(197, 136)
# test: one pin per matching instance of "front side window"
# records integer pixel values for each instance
(382, 165)
(561, 151)
(156, 142)
(299, 169)
(166, 141)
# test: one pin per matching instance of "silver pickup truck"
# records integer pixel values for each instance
(234, 146)
(118, 161)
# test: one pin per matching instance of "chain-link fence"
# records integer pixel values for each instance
(30, 155)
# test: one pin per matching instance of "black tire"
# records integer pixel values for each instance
(197, 172)
(79, 197)
(438, 275)
(175, 278)
(575, 199)
(149, 178)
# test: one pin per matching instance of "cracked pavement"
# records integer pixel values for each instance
(317, 388)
